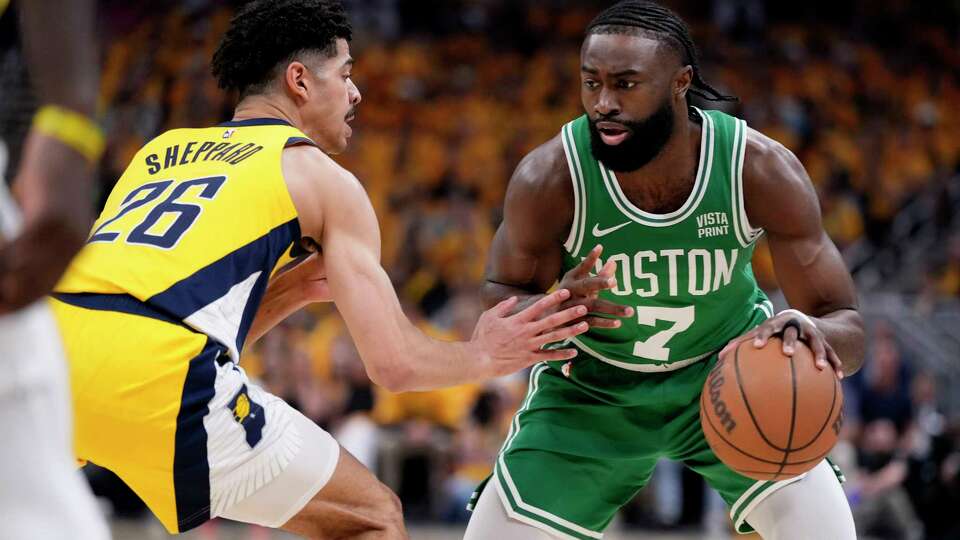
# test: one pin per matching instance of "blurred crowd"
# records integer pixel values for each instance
(455, 94)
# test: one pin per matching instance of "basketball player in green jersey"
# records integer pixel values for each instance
(677, 197)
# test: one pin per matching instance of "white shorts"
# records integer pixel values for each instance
(42, 494)
(269, 483)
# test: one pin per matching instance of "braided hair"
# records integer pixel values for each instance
(642, 17)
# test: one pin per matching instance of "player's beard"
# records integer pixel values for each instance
(647, 138)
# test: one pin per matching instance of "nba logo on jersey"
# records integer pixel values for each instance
(228, 133)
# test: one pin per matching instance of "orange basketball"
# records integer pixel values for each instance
(770, 416)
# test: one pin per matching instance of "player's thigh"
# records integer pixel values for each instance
(353, 504)
(42, 493)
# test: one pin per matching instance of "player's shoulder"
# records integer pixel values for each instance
(319, 186)
(768, 161)
(307, 162)
(777, 190)
(543, 171)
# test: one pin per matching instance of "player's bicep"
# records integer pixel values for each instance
(782, 200)
(512, 263)
(526, 250)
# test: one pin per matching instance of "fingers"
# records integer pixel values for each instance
(764, 332)
(583, 269)
(557, 319)
(610, 308)
(601, 307)
(819, 348)
(543, 305)
(790, 335)
(602, 322)
(737, 341)
(590, 286)
(609, 269)
(561, 334)
(834, 360)
(557, 354)
(504, 308)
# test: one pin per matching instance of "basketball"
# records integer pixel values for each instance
(769, 416)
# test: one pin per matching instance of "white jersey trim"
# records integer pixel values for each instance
(746, 233)
(643, 368)
(575, 238)
(699, 191)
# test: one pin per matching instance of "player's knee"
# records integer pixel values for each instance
(385, 514)
(391, 510)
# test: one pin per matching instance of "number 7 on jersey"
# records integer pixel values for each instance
(654, 347)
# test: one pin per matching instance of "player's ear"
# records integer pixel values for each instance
(295, 80)
(682, 81)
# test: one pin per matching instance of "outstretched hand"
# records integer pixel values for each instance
(508, 343)
(585, 291)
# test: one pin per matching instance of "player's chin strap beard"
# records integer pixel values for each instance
(645, 142)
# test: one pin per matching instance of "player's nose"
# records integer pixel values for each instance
(607, 104)
(354, 93)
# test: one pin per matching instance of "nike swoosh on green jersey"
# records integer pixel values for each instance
(598, 232)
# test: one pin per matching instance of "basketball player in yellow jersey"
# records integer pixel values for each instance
(198, 252)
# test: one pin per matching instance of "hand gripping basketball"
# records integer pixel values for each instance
(792, 326)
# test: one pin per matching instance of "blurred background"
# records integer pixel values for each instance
(865, 92)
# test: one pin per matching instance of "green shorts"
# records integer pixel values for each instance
(579, 448)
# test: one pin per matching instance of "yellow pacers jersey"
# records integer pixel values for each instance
(196, 226)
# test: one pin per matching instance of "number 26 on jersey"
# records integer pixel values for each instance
(167, 221)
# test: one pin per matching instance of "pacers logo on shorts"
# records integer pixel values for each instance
(249, 414)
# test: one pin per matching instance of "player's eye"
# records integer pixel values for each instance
(626, 85)
(591, 84)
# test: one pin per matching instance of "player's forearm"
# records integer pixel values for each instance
(396, 354)
(283, 298)
(433, 364)
(844, 332)
(60, 48)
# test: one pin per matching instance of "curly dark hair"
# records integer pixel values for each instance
(266, 34)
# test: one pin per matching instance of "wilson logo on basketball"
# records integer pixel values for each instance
(719, 407)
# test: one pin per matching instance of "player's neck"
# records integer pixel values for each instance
(675, 163)
(262, 106)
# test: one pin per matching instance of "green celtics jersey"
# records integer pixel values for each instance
(686, 273)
